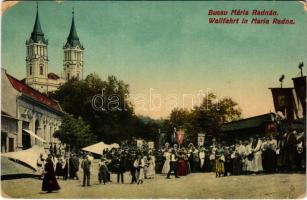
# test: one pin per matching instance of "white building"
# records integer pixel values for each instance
(27, 115)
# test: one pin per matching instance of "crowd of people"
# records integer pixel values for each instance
(283, 153)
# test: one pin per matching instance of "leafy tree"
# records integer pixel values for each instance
(207, 118)
(112, 118)
(75, 132)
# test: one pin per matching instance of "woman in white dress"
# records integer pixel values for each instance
(166, 165)
(151, 166)
(249, 156)
(202, 155)
(257, 161)
(139, 165)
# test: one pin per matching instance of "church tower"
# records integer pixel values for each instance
(73, 55)
(37, 58)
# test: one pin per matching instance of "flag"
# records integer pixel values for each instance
(173, 138)
(180, 136)
(161, 139)
(300, 90)
(283, 99)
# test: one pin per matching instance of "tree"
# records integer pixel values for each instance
(111, 117)
(206, 118)
(75, 132)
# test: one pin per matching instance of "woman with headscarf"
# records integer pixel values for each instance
(49, 182)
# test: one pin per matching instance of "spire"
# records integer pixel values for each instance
(37, 33)
(73, 39)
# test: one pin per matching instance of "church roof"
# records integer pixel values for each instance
(37, 34)
(73, 39)
(34, 94)
(53, 76)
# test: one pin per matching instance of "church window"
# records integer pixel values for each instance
(41, 70)
(30, 69)
(78, 76)
(68, 76)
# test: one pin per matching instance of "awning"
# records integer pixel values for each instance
(34, 135)
(28, 157)
(99, 147)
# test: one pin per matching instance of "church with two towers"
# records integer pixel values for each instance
(37, 74)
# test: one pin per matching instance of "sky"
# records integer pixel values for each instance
(167, 51)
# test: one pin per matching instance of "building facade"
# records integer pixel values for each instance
(28, 117)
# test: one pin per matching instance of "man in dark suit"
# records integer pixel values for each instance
(132, 169)
(120, 168)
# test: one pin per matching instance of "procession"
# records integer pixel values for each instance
(151, 100)
(267, 155)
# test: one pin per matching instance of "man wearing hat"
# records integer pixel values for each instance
(86, 166)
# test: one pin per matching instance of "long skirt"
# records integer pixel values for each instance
(257, 162)
(103, 176)
(236, 166)
(248, 165)
(228, 167)
(139, 174)
(50, 183)
(150, 171)
(269, 160)
(219, 166)
(58, 169)
(212, 164)
(166, 166)
(182, 168)
(207, 165)
(145, 171)
(202, 165)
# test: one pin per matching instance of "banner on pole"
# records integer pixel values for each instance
(162, 139)
(180, 136)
